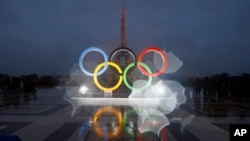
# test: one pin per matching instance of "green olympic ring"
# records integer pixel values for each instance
(125, 76)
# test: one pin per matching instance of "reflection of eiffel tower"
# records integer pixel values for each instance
(123, 59)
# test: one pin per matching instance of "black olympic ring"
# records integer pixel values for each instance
(131, 52)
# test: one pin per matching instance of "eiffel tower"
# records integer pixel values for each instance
(122, 59)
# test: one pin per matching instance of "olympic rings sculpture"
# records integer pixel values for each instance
(101, 68)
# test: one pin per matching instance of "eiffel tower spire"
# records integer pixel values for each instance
(123, 41)
(122, 58)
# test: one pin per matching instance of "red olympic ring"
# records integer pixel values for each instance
(163, 55)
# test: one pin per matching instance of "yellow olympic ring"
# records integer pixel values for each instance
(105, 88)
(118, 115)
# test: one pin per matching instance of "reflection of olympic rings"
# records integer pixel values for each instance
(125, 126)
(84, 52)
(99, 85)
(117, 51)
(125, 76)
(117, 114)
(163, 132)
(163, 55)
(125, 122)
(81, 131)
(162, 135)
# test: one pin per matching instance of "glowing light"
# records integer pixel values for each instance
(83, 89)
(158, 89)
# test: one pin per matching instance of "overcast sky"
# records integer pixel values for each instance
(47, 36)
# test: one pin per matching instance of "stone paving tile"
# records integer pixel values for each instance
(63, 133)
(10, 127)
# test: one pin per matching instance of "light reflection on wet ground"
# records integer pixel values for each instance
(46, 116)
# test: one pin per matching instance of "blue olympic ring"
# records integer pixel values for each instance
(84, 52)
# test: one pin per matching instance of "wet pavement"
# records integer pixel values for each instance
(46, 116)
